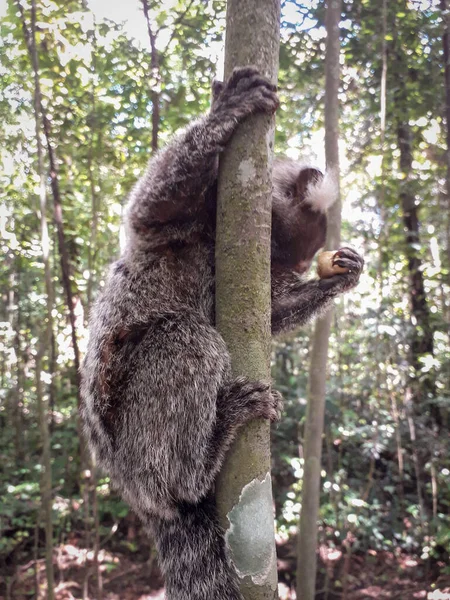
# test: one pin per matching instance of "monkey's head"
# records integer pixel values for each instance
(301, 198)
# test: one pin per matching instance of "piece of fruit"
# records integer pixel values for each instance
(325, 266)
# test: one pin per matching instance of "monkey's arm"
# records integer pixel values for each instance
(178, 177)
(296, 301)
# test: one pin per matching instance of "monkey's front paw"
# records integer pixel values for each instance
(246, 92)
(349, 259)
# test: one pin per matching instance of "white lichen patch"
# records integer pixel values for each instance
(250, 536)
(247, 172)
(270, 136)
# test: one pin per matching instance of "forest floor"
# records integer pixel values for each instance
(127, 576)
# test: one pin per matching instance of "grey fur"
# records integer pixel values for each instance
(160, 408)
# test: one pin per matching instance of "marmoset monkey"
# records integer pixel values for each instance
(160, 406)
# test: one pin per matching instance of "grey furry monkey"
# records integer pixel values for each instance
(160, 407)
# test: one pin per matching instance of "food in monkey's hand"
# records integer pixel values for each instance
(328, 264)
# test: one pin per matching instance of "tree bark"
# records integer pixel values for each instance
(307, 541)
(54, 182)
(46, 344)
(446, 52)
(423, 386)
(421, 338)
(16, 394)
(244, 493)
(93, 170)
(155, 77)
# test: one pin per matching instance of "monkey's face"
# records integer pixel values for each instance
(301, 198)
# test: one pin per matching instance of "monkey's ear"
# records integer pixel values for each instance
(308, 176)
(316, 189)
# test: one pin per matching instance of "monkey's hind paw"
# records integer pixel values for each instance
(270, 405)
(277, 405)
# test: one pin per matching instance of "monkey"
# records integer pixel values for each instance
(159, 405)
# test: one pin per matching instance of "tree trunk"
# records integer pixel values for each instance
(45, 477)
(47, 341)
(421, 339)
(423, 386)
(54, 182)
(93, 170)
(16, 394)
(307, 541)
(446, 51)
(244, 493)
(155, 77)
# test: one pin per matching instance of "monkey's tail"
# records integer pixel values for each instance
(192, 555)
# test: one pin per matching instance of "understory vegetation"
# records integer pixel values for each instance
(114, 84)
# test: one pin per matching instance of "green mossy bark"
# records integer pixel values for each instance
(243, 280)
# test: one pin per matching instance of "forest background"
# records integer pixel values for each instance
(116, 81)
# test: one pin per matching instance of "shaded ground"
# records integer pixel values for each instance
(128, 576)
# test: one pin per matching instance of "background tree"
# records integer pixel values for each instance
(314, 421)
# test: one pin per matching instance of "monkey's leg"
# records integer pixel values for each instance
(179, 176)
(299, 301)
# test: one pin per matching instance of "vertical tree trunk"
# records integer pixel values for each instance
(244, 493)
(90, 481)
(46, 343)
(45, 476)
(54, 182)
(155, 77)
(422, 332)
(93, 170)
(421, 339)
(307, 541)
(17, 395)
(446, 52)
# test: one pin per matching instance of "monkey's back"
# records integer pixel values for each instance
(151, 376)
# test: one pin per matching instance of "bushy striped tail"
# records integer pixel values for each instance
(193, 556)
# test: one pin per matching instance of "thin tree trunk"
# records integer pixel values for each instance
(398, 439)
(307, 540)
(383, 104)
(382, 237)
(155, 77)
(93, 173)
(46, 343)
(45, 476)
(244, 493)
(446, 51)
(17, 394)
(90, 481)
(423, 385)
(98, 573)
(421, 340)
(409, 408)
(54, 182)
